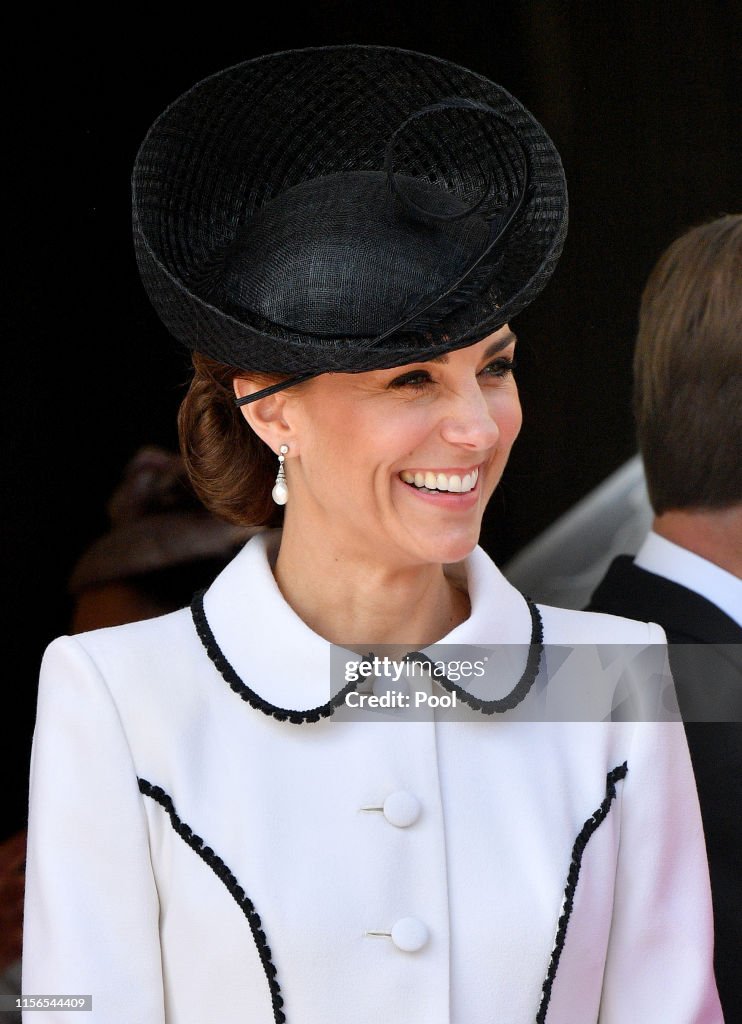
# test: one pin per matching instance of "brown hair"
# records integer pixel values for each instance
(688, 370)
(231, 469)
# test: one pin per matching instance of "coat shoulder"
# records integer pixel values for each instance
(565, 625)
(131, 650)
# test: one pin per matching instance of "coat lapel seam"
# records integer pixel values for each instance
(224, 874)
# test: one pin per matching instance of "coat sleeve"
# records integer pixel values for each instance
(660, 955)
(91, 911)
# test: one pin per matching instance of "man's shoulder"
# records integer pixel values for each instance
(634, 592)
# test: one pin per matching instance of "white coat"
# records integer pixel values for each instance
(141, 745)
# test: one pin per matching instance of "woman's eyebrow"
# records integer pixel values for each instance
(498, 346)
(494, 348)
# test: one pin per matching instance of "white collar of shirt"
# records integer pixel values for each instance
(278, 656)
(664, 558)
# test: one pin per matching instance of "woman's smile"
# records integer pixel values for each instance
(455, 481)
(449, 490)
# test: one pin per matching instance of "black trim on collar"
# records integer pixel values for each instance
(249, 695)
(520, 691)
(592, 823)
(487, 707)
(223, 873)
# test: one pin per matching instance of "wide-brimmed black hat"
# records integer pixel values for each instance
(343, 209)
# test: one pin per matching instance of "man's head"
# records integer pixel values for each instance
(688, 371)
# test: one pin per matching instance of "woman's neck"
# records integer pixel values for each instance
(350, 599)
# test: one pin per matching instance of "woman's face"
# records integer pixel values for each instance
(363, 444)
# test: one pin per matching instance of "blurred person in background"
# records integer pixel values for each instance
(162, 546)
(687, 574)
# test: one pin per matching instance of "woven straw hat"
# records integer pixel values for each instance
(343, 209)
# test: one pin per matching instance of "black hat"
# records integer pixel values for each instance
(343, 209)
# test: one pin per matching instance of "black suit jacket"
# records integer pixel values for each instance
(709, 686)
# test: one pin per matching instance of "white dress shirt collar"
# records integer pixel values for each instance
(664, 558)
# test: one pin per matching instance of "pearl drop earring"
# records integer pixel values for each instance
(280, 492)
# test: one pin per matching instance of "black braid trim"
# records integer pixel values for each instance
(487, 707)
(249, 695)
(592, 823)
(521, 688)
(223, 873)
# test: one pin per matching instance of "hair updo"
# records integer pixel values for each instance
(231, 469)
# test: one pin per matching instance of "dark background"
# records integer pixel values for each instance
(641, 100)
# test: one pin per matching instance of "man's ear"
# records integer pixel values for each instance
(266, 415)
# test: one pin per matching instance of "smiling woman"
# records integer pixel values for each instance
(219, 830)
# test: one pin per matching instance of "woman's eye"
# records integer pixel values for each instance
(499, 368)
(419, 380)
(415, 379)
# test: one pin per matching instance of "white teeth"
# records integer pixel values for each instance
(430, 481)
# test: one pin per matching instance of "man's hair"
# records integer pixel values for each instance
(688, 371)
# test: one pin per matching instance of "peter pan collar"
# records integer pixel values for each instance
(287, 665)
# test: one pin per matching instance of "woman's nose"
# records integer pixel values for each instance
(470, 421)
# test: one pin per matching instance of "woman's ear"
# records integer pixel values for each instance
(266, 415)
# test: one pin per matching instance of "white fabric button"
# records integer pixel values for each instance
(409, 934)
(402, 809)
